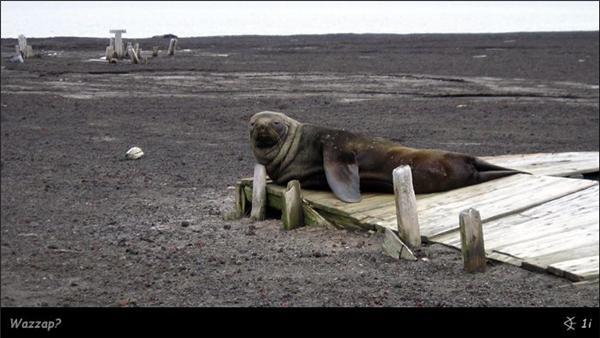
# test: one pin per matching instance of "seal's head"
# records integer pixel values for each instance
(270, 133)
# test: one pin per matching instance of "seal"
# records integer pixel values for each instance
(346, 163)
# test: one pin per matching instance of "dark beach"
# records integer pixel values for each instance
(80, 226)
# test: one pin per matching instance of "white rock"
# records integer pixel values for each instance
(134, 153)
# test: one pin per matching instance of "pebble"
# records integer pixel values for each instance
(185, 224)
(226, 226)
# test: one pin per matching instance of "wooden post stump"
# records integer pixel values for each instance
(259, 193)
(471, 239)
(406, 207)
(172, 46)
(154, 51)
(292, 214)
(240, 201)
(132, 55)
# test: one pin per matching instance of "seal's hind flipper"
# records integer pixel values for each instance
(485, 176)
(342, 174)
(483, 166)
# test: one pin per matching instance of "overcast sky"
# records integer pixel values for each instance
(143, 19)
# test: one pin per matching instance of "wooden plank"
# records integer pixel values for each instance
(577, 269)
(472, 242)
(500, 257)
(541, 263)
(576, 210)
(395, 248)
(406, 207)
(498, 202)
(552, 243)
(555, 164)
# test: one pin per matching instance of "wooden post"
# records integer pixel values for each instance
(132, 55)
(110, 52)
(22, 44)
(406, 207)
(118, 41)
(154, 51)
(136, 48)
(292, 214)
(471, 239)
(172, 46)
(28, 51)
(111, 43)
(240, 201)
(259, 193)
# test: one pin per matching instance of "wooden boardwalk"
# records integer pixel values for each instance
(542, 222)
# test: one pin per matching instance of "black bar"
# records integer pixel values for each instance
(300, 322)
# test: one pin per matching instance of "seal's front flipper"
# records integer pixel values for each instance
(341, 171)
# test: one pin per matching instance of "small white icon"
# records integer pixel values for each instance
(569, 323)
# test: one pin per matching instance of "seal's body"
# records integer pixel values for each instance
(348, 163)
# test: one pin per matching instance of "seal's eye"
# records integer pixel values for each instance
(276, 123)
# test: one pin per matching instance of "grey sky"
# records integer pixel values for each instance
(142, 19)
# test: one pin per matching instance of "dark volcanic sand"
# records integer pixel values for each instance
(82, 227)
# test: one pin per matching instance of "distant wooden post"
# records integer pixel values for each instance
(28, 51)
(406, 207)
(136, 48)
(25, 50)
(110, 52)
(132, 55)
(22, 43)
(259, 193)
(471, 239)
(292, 214)
(118, 42)
(172, 46)
(154, 51)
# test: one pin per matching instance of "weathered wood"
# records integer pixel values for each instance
(312, 217)
(172, 46)
(259, 193)
(136, 48)
(119, 42)
(577, 269)
(292, 214)
(154, 51)
(406, 207)
(554, 164)
(132, 55)
(528, 220)
(240, 201)
(471, 236)
(395, 248)
(494, 199)
(28, 51)
(110, 53)
(22, 42)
